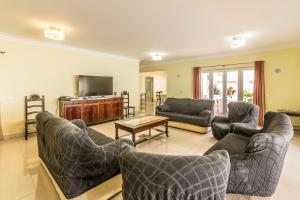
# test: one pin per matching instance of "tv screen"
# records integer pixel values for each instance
(95, 85)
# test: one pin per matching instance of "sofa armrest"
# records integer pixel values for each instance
(244, 129)
(207, 114)
(222, 119)
(79, 123)
(163, 108)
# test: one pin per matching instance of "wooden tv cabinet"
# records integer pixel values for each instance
(92, 111)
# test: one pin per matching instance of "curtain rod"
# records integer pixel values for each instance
(228, 64)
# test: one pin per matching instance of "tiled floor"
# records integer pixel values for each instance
(22, 176)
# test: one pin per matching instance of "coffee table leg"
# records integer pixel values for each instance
(167, 132)
(133, 139)
(116, 132)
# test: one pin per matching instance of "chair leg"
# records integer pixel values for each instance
(133, 111)
(26, 131)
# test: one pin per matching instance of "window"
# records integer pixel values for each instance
(228, 85)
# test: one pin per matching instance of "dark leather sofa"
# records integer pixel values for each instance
(196, 112)
(257, 156)
(78, 158)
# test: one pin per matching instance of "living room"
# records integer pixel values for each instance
(198, 100)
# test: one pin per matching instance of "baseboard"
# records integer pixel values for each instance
(245, 197)
(104, 191)
(189, 127)
(12, 136)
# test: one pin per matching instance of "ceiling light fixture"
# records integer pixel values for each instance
(54, 33)
(157, 57)
(237, 41)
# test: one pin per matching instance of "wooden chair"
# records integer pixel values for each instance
(127, 107)
(143, 102)
(158, 98)
(33, 105)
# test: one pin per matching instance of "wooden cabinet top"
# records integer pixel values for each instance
(96, 100)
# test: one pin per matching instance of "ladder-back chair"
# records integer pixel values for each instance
(34, 104)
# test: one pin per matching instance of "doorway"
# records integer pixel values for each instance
(227, 85)
(149, 88)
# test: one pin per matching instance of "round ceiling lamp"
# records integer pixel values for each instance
(54, 33)
(237, 41)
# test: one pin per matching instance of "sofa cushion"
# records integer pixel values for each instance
(185, 118)
(232, 143)
(153, 176)
(189, 106)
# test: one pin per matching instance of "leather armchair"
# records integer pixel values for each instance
(241, 114)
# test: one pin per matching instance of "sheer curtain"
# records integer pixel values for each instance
(197, 83)
(259, 89)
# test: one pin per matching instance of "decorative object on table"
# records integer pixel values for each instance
(127, 107)
(240, 114)
(190, 114)
(256, 156)
(230, 92)
(115, 94)
(34, 104)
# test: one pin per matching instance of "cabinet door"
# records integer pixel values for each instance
(90, 113)
(73, 112)
(117, 111)
(105, 110)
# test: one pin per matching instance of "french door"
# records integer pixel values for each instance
(227, 85)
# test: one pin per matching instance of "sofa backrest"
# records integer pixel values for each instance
(242, 112)
(275, 122)
(189, 106)
(153, 176)
(62, 143)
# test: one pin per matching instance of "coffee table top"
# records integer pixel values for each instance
(141, 121)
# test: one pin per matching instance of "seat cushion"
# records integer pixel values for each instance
(98, 138)
(232, 143)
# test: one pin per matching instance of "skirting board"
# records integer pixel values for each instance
(245, 197)
(104, 191)
(189, 127)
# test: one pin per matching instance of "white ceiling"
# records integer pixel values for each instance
(135, 28)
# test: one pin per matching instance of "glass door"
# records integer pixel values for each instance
(218, 88)
(228, 85)
(232, 86)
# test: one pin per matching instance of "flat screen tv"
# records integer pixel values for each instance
(95, 85)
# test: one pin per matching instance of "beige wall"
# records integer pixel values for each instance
(31, 68)
(159, 81)
(282, 89)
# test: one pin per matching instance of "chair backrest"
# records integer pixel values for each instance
(143, 101)
(242, 112)
(34, 104)
(125, 96)
(174, 177)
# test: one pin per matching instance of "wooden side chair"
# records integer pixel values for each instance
(143, 102)
(34, 104)
(158, 98)
(127, 107)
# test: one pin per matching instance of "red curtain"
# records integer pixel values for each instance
(259, 89)
(197, 83)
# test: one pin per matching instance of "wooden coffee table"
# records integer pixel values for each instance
(142, 123)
